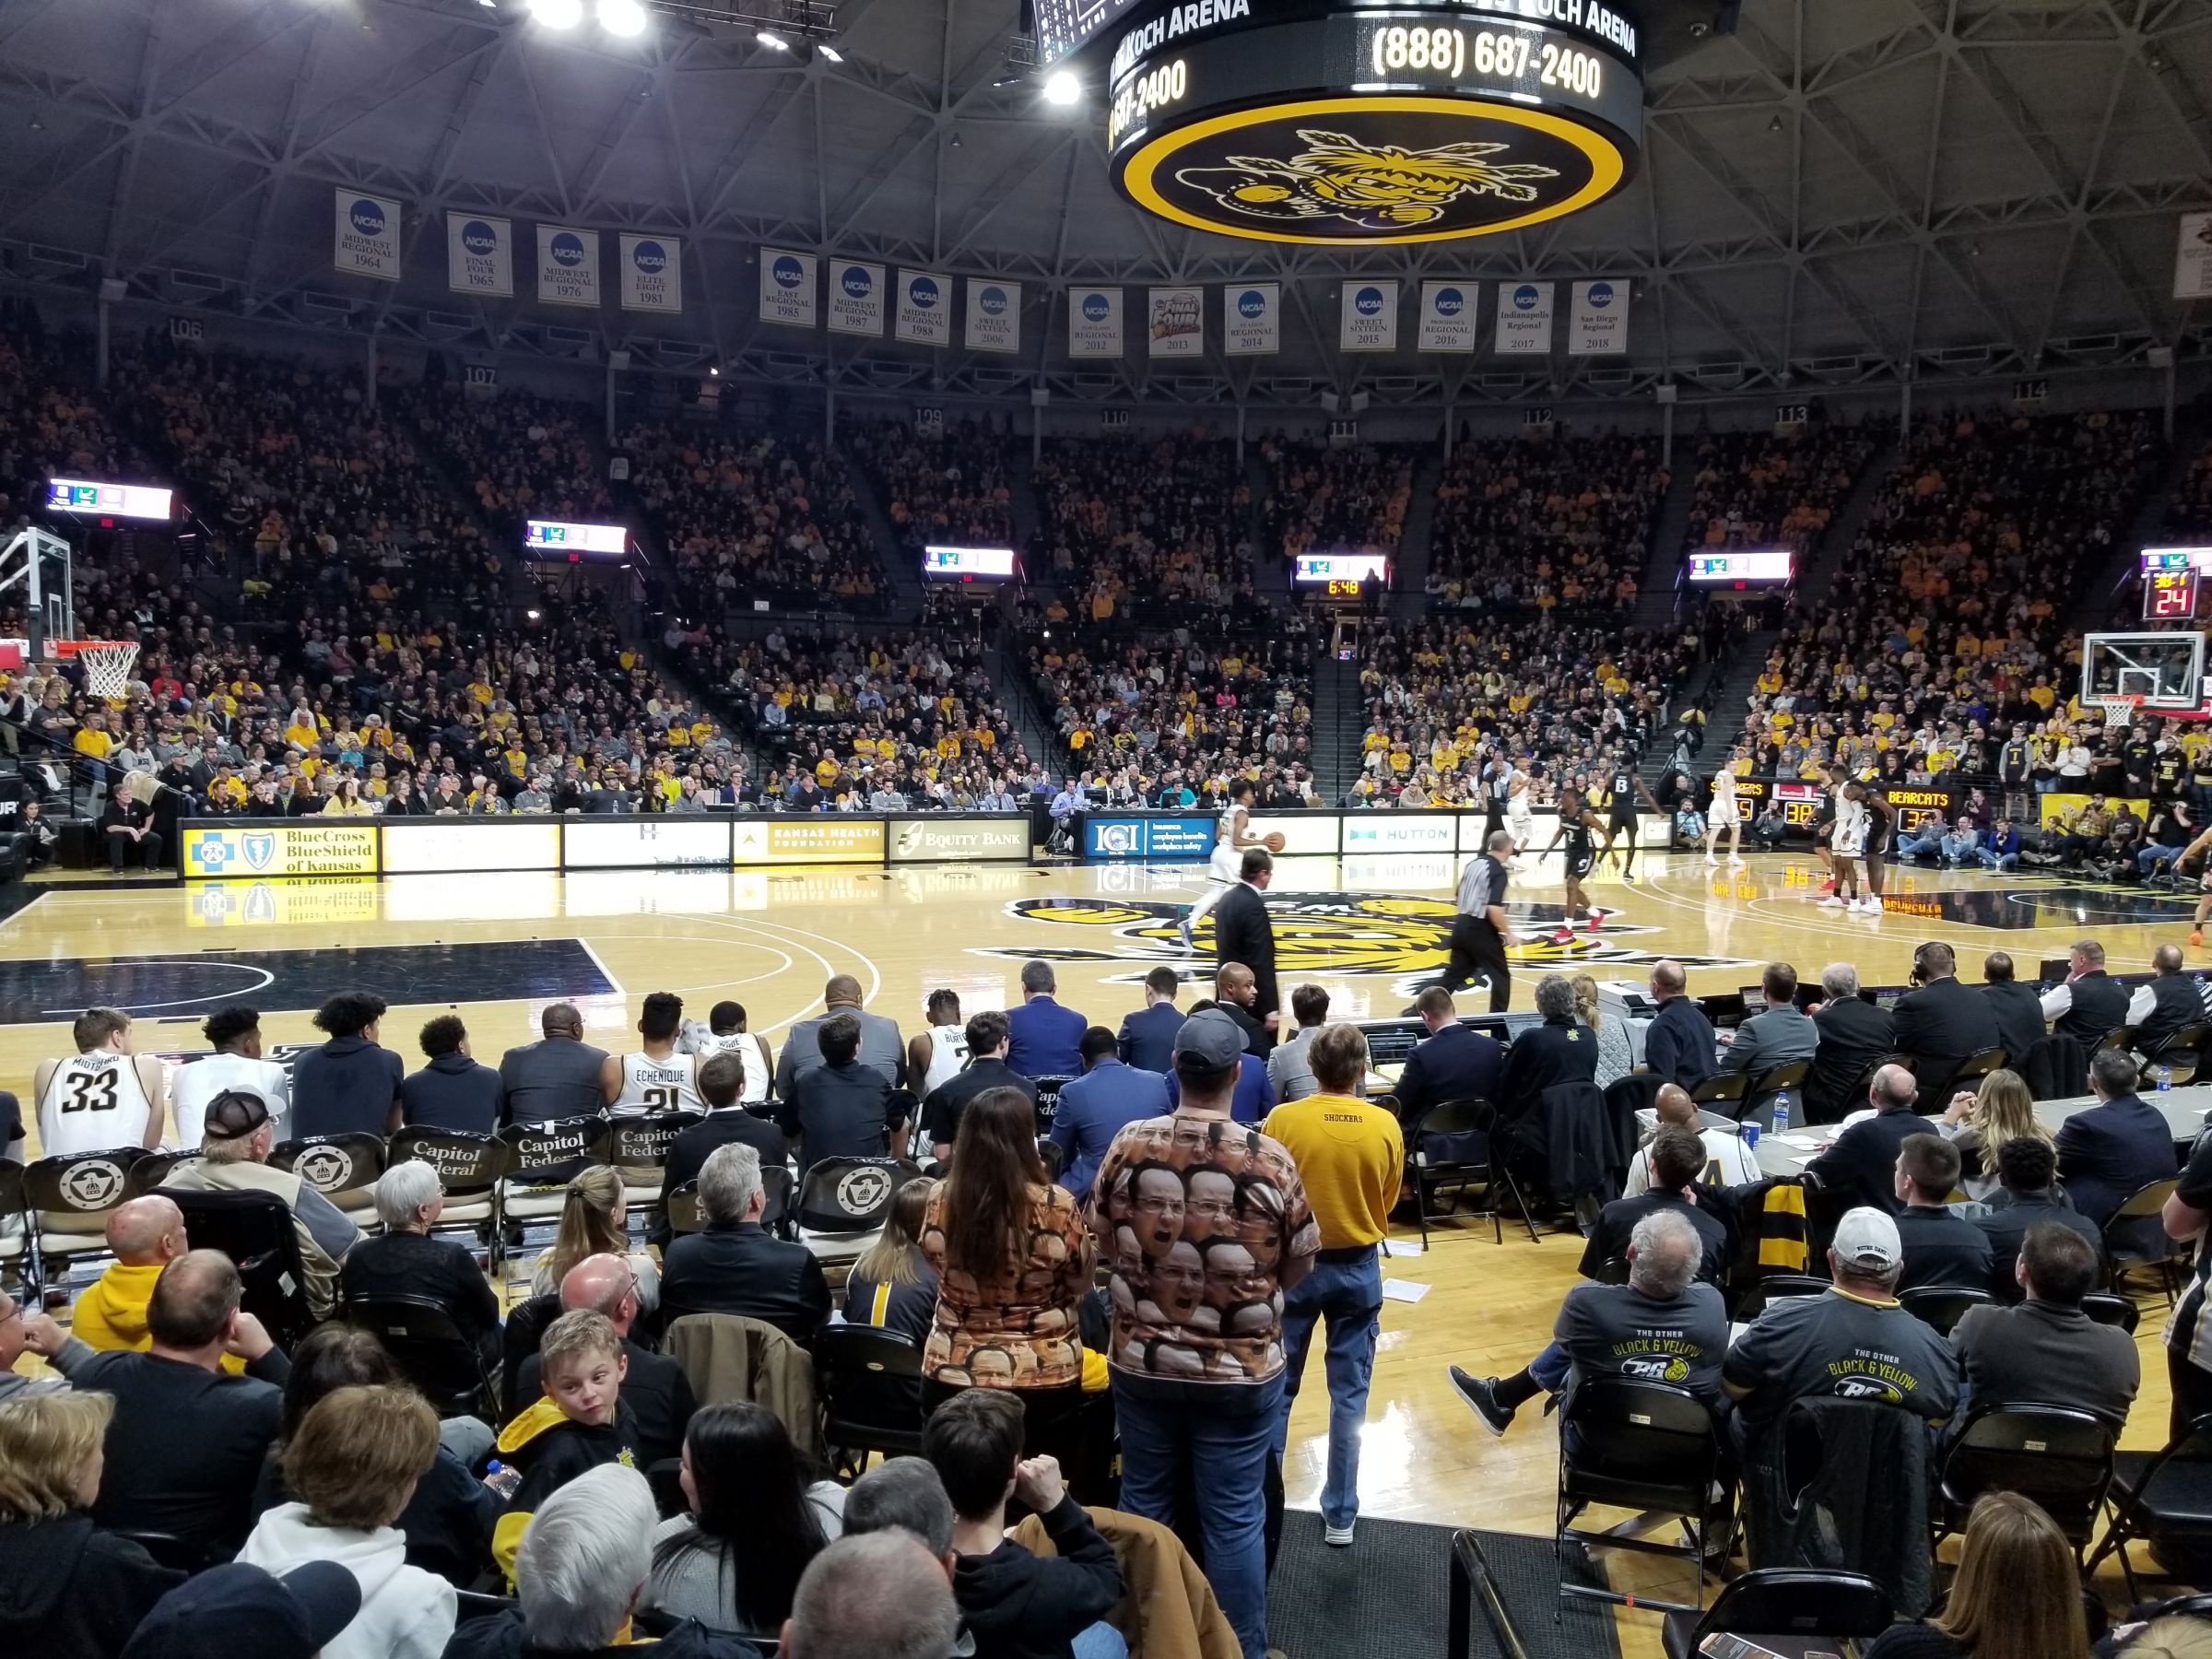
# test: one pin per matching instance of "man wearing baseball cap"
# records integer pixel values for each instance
(1852, 1343)
(234, 1609)
(1206, 1223)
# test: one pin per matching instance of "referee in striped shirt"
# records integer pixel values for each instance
(1480, 931)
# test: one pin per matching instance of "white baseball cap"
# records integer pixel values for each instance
(1867, 1237)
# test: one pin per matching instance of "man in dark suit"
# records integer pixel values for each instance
(1452, 1063)
(1244, 934)
(840, 1108)
(1854, 1035)
(2115, 1147)
(1861, 1168)
(1943, 1022)
(555, 1078)
(1559, 1051)
(1678, 1160)
(1237, 995)
(2166, 1005)
(1679, 1044)
(2028, 1193)
(1940, 1248)
(1046, 1039)
(735, 1265)
(656, 1396)
(1147, 1040)
(2018, 1009)
(727, 1122)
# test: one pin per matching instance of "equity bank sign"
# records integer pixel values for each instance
(344, 849)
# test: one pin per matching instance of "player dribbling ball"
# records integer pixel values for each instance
(1274, 840)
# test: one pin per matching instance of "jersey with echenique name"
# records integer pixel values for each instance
(651, 1086)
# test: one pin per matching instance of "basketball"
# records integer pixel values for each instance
(1276, 842)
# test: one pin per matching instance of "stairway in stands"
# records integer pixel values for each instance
(1021, 490)
(1270, 569)
(1338, 724)
(1658, 583)
(1006, 663)
(1408, 603)
(900, 564)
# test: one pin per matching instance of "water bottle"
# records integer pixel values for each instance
(502, 1479)
(2165, 1078)
(1782, 1113)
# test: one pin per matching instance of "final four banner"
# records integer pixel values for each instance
(1252, 319)
(567, 266)
(1175, 323)
(787, 288)
(368, 235)
(924, 316)
(1524, 319)
(1600, 325)
(1369, 311)
(652, 273)
(993, 314)
(1094, 322)
(855, 298)
(1448, 320)
(479, 255)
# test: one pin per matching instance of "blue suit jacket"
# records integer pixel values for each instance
(1093, 1107)
(1147, 1038)
(1454, 1063)
(1254, 1097)
(1678, 1046)
(1048, 1039)
(2111, 1151)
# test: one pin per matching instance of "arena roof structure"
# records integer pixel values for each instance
(1831, 192)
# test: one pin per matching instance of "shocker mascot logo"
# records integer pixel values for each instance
(1375, 187)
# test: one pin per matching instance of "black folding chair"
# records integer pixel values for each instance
(1048, 1100)
(256, 1231)
(869, 1381)
(436, 1354)
(179, 1555)
(1642, 1446)
(637, 1147)
(468, 1166)
(1941, 1307)
(1454, 1146)
(152, 1169)
(1759, 1095)
(2110, 1310)
(2163, 1499)
(1975, 1067)
(542, 1158)
(843, 1201)
(2136, 1241)
(343, 1168)
(2182, 1055)
(2059, 1456)
(1781, 1287)
(70, 1196)
(15, 1225)
(1801, 1603)
(1049, 1153)
(1723, 1091)
(526, 1321)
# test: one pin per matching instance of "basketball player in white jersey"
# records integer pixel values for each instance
(1847, 847)
(1226, 865)
(1726, 814)
(937, 1054)
(724, 1033)
(1519, 800)
(104, 1095)
(657, 1079)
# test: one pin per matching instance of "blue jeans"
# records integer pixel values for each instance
(1996, 861)
(1913, 846)
(1549, 1370)
(1100, 1640)
(1216, 1438)
(2150, 858)
(1349, 1297)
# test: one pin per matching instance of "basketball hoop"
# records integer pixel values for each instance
(2119, 712)
(107, 664)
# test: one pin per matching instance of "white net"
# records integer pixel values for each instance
(108, 668)
(2119, 712)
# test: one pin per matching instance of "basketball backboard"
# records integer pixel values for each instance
(2165, 670)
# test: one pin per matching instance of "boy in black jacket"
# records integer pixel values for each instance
(578, 1425)
(1015, 1604)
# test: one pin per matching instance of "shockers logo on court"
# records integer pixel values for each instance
(1403, 935)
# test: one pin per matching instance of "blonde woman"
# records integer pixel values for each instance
(1612, 1058)
(1978, 1123)
(595, 1221)
(66, 1585)
(2017, 1596)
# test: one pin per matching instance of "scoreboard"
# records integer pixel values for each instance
(2170, 582)
(1741, 568)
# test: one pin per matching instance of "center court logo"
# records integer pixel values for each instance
(480, 238)
(922, 293)
(1450, 302)
(787, 272)
(993, 301)
(1252, 304)
(1095, 308)
(1401, 935)
(568, 249)
(367, 218)
(651, 257)
(855, 283)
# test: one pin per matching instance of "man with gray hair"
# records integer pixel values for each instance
(236, 1138)
(877, 1596)
(583, 1562)
(735, 1265)
(1044, 1040)
(906, 1493)
(1861, 1167)
(406, 1260)
(1662, 1326)
(1561, 1049)
(1853, 1035)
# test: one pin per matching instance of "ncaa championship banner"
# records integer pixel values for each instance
(924, 316)
(1448, 316)
(993, 314)
(2193, 265)
(652, 273)
(1094, 322)
(567, 266)
(368, 235)
(855, 298)
(1252, 319)
(1369, 314)
(479, 255)
(1599, 326)
(1524, 319)
(1175, 323)
(787, 288)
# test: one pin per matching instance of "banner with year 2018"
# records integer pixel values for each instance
(367, 236)
(652, 273)
(1600, 325)
(479, 255)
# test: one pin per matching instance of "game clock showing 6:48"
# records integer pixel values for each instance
(1334, 122)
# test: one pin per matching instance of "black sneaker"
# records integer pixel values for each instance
(1481, 1393)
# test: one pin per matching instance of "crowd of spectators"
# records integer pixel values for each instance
(2189, 513)
(523, 456)
(49, 423)
(952, 488)
(1538, 524)
(1769, 490)
(1140, 533)
(1944, 630)
(1331, 498)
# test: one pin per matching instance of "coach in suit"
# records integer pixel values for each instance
(1045, 1039)
(2116, 1147)
(1781, 1032)
(1854, 1035)
(2018, 1010)
(1861, 1168)
(880, 1044)
(1677, 1047)
(734, 1266)
(1943, 1022)
(1452, 1063)
(1244, 934)
(1147, 1040)
(721, 1080)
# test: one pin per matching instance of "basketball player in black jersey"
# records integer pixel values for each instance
(1624, 783)
(1577, 824)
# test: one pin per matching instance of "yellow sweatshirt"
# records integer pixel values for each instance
(110, 1314)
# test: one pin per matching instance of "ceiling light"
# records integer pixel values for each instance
(714, 372)
(1061, 87)
(557, 14)
(772, 40)
(622, 17)
(831, 53)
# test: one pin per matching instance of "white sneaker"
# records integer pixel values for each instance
(1833, 902)
(1338, 1538)
(1873, 904)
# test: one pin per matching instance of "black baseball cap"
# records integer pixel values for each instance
(236, 1608)
(233, 1116)
(1210, 1041)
